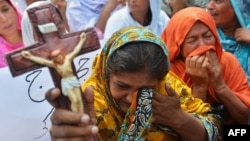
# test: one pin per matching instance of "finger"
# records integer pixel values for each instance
(170, 90)
(68, 131)
(89, 96)
(193, 62)
(205, 62)
(187, 61)
(83, 35)
(52, 96)
(67, 139)
(199, 62)
(213, 58)
(62, 116)
(210, 56)
(209, 65)
(158, 98)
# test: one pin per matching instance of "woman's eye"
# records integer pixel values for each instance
(5, 10)
(208, 36)
(120, 86)
(190, 40)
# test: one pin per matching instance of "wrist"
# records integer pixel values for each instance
(179, 120)
(220, 89)
(200, 92)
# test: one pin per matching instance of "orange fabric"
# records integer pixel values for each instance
(201, 50)
(179, 26)
(133, 104)
(174, 35)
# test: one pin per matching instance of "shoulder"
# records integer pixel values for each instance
(117, 20)
(231, 65)
(75, 4)
(226, 57)
(164, 16)
(119, 13)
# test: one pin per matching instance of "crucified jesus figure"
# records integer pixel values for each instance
(63, 65)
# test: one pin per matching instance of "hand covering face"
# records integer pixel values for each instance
(176, 32)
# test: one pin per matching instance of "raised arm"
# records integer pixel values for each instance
(108, 8)
(39, 60)
(78, 47)
(62, 5)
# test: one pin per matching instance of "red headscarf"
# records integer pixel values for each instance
(176, 32)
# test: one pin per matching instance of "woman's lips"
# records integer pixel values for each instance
(213, 14)
(124, 104)
(8, 27)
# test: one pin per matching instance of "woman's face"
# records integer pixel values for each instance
(199, 35)
(8, 19)
(138, 6)
(222, 12)
(123, 85)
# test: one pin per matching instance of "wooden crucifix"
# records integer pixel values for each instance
(51, 36)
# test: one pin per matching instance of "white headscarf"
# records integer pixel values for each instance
(27, 28)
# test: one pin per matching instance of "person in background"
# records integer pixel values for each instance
(197, 57)
(29, 36)
(131, 95)
(91, 13)
(62, 6)
(233, 26)
(10, 29)
(28, 2)
(173, 6)
(22, 4)
(146, 13)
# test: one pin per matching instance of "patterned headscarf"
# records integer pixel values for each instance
(114, 125)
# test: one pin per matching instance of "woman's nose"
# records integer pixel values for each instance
(132, 1)
(129, 97)
(202, 42)
(210, 5)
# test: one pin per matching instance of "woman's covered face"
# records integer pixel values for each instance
(123, 85)
(222, 12)
(199, 35)
(8, 19)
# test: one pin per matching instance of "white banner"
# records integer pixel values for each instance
(25, 114)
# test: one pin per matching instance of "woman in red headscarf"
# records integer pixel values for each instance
(197, 57)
